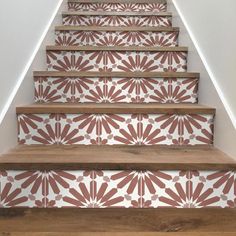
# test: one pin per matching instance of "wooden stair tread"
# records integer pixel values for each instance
(115, 13)
(115, 28)
(75, 157)
(116, 234)
(116, 48)
(117, 74)
(118, 220)
(114, 108)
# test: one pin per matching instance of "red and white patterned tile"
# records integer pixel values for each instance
(92, 189)
(89, 128)
(22, 189)
(117, 38)
(121, 21)
(107, 61)
(69, 189)
(34, 129)
(165, 189)
(212, 189)
(114, 126)
(166, 130)
(118, 7)
(117, 189)
(116, 90)
(127, 129)
(108, 189)
(68, 130)
(186, 129)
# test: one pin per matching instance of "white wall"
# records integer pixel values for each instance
(25, 31)
(212, 23)
(202, 21)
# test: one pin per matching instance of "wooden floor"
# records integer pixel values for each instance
(74, 157)
(119, 220)
(115, 234)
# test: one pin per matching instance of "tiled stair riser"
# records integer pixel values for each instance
(120, 61)
(116, 90)
(115, 129)
(118, 7)
(119, 38)
(121, 21)
(129, 189)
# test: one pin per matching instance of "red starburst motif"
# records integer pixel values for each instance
(187, 129)
(101, 127)
(88, 37)
(140, 21)
(33, 129)
(66, 188)
(136, 133)
(165, 189)
(138, 64)
(83, 21)
(65, 40)
(116, 129)
(61, 89)
(22, 189)
(69, 62)
(117, 7)
(89, 6)
(173, 61)
(119, 90)
(176, 91)
(165, 39)
(106, 189)
(116, 38)
(117, 61)
(105, 95)
(106, 57)
(212, 189)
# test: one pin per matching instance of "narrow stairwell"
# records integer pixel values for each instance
(116, 140)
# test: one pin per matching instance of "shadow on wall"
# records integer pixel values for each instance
(36, 31)
(225, 133)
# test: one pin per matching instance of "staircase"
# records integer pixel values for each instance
(115, 126)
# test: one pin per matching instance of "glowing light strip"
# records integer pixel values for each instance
(29, 63)
(210, 72)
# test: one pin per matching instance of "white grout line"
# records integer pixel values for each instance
(209, 70)
(29, 63)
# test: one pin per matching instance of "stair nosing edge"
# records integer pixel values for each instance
(116, 48)
(117, 74)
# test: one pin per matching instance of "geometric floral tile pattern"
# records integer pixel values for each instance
(123, 189)
(35, 129)
(165, 189)
(115, 129)
(107, 61)
(69, 188)
(116, 90)
(123, 38)
(212, 189)
(118, 7)
(151, 21)
(22, 189)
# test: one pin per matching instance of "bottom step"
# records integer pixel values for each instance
(119, 220)
(115, 234)
(117, 176)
